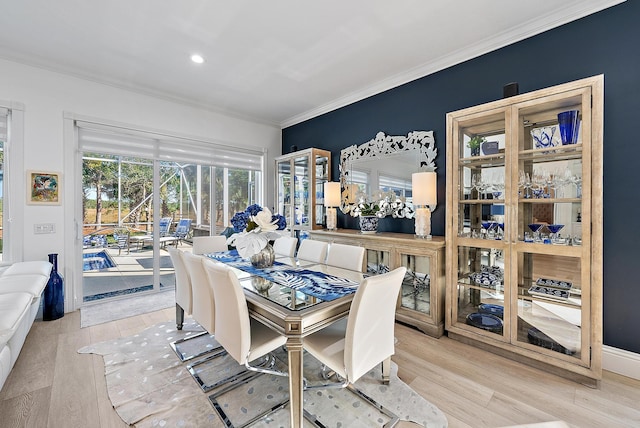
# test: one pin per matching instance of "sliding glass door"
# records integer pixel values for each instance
(118, 218)
(142, 193)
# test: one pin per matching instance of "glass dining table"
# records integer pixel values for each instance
(294, 298)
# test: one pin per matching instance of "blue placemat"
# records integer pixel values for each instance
(317, 284)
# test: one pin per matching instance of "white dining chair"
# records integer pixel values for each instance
(184, 304)
(209, 244)
(354, 345)
(203, 312)
(346, 256)
(285, 246)
(184, 298)
(244, 338)
(312, 251)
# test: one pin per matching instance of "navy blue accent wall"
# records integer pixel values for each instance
(603, 43)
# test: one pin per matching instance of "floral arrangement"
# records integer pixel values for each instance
(383, 204)
(255, 227)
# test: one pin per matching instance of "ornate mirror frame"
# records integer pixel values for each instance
(384, 145)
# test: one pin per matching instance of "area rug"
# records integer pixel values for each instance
(124, 308)
(149, 387)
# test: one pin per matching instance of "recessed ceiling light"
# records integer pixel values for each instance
(198, 59)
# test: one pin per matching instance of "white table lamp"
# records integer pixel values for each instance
(424, 193)
(331, 200)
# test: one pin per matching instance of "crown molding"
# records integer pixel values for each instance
(560, 16)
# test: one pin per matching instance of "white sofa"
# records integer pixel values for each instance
(21, 288)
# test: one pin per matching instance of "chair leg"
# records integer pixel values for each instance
(213, 399)
(266, 367)
(179, 317)
(386, 370)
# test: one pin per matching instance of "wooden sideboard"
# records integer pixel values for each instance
(421, 302)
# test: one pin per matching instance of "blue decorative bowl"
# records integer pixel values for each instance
(486, 322)
(497, 310)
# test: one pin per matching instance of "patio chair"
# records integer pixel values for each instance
(165, 225)
(121, 236)
(182, 230)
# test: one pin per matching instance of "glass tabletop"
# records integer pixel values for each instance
(291, 283)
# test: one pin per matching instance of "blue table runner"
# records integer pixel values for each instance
(317, 284)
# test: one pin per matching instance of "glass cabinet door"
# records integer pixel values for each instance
(481, 222)
(378, 261)
(415, 293)
(284, 188)
(322, 165)
(551, 301)
(302, 204)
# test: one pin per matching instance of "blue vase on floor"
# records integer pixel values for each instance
(53, 307)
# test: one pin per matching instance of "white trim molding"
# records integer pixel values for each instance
(620, 361)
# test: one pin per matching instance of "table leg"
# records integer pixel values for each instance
(294, 350)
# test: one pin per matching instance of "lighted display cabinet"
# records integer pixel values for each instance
(524, 228)
(299, 185)
(421, 301)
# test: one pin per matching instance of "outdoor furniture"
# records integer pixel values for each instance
(121, 236)
(183, 228)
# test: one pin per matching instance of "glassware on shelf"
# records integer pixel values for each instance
(554, 229)
(569, 122)
(524, 183)
(535, 228)
(486, 225)
(543, 137)
(539, 185)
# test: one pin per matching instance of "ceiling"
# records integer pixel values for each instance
(277, 62)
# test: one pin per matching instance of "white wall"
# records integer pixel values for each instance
(48, 95)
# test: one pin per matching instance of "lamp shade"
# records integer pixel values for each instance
(424, 188)
(331, 194)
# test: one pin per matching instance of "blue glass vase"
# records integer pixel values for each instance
(569, 123)
(53, 307)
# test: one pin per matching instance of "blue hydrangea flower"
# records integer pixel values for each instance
(239, 221)
(282, 222)
(253, 209)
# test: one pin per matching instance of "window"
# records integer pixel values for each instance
(11, 180)
(3, 139)
(186, 170)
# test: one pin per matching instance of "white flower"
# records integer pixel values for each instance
(264, 222)
(248, 243)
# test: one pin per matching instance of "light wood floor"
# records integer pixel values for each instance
(54, 386)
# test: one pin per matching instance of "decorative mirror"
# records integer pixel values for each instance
(385, 162)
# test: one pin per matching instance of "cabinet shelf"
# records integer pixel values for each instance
(481, 201)
(555, 328)
(488, 288)
(568, 152)
(483, 161)
(549, 200)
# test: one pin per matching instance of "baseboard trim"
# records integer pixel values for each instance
(620, 361)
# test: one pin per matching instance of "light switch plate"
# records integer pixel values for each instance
(43, 228)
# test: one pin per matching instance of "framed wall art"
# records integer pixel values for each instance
(43, 188)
